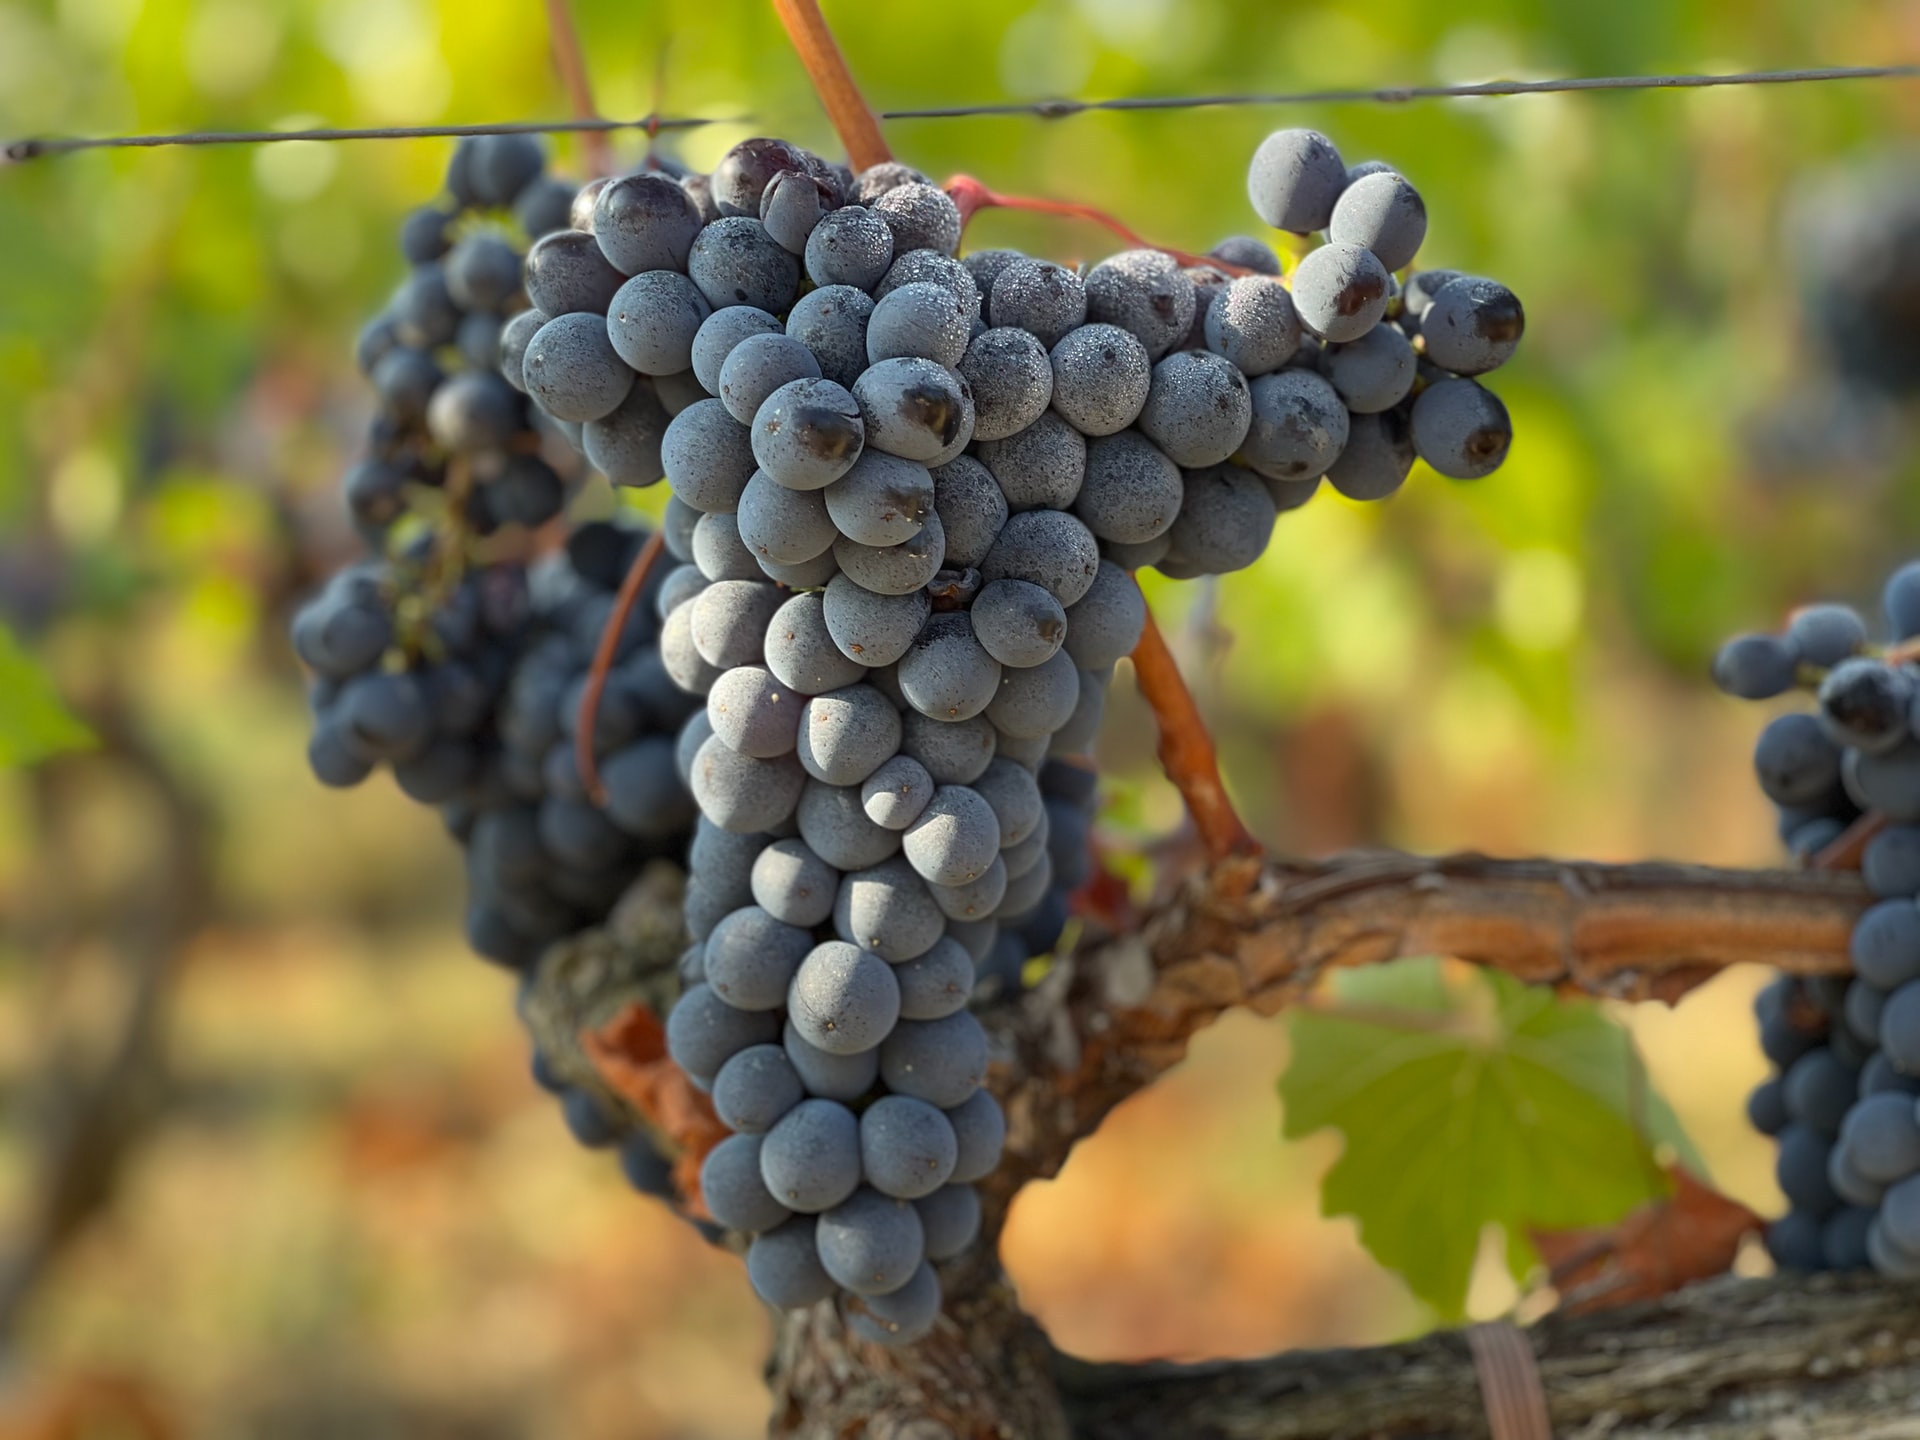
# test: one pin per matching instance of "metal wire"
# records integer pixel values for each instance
(1059, 109)
(17, 151)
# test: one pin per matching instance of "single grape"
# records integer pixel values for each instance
(915, 409)
(628, 445)
(852, 246)
(1295, 180)
(1461, 428)
(1106, 623)
(1101, 379)
(1901, 601)
(832, 323)
(1472, 326)
(483, 272)
(1145, 292)
(1826, 634)
(731, 1185)
(1864, 703)
(1886, 943)
(719, 551)
(868, 628)
(572, 369)
(807, 434)
(1795, 761)
(1820, 1089)
(955, 839)
(943, 1062)
(936, 983)
(1040, 467)
(921, 217)
(1199, 408)
(1299, 426)
(894, 794)
(980, 1128)
(829, 1076)
(843, 999)
(1900, 1028)
(704, 1032)
(1035, 702)
(834, 824)
(566, 274)
(744, 793)
(1376, 459)
(901, 569)
(907, 1147)
(1011, 376)
(972, 510)
(810, 1159)
(845, 734)
(1380, 212)
(1253, 325)
(1018, 623)
(886, 909)
(1248, 253)
(946, 673)
(881, 500)
(954, 753)
(1044, 299)
(871, 1243)
(734, 261)
(924, 321)
(1340, 292)
(1756, 667)
(1374, 373)
(784, 1266)
(1801, 1169)
(793, 204)
(707, 457)
(793, 884)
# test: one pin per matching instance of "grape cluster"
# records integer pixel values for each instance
(464, 675)
(1844, 1101)
(432, 356)
(909, 491)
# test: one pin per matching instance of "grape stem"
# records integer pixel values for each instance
(1187, 753)
(603, 658)
(1849, 847)
(853, 119)
(970, 196)
(570, 61)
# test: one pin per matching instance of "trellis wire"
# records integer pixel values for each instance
(17, 151)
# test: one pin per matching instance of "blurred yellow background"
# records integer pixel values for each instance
(342, 1208)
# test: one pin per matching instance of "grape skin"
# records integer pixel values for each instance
(843, 999)
(810, 1159)
(792, 883)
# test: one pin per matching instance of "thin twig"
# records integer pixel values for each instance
(1186, 749)
(603, 658)
(1400, 94)
(970, 196)
(571, 62)
(853, 119)
(1849, 847)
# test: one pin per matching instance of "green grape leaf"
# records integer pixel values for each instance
(1468, 1099)
(33, 722)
